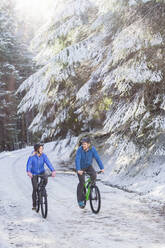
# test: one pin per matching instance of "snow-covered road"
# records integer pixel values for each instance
(123, 222)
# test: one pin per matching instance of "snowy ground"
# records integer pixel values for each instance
(125, 221)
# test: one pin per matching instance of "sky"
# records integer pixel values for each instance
(34, 10)
(32, 14)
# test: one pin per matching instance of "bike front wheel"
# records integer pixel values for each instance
(44, 205)
(95, 199)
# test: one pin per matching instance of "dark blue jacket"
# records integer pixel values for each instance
(84, 158)
(35, 164)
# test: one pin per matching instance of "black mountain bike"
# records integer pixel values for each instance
(91, 192)
(41, 196)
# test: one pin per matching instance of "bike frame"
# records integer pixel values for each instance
(88, 188)
(41, 185)
(41, 181)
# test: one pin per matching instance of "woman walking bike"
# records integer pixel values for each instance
(35, 167)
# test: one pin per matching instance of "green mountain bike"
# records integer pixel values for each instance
(91, 192)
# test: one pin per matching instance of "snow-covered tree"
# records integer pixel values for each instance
(68, 44)
(71, 49)
(102, 72)
(14, 68)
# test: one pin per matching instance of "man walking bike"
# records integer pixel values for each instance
(84, 158)
(35, 167)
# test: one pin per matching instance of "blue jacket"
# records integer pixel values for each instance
(35, 164)
(84, 158)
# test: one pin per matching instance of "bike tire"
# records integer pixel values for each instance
(95, 199)
(84, 194)
(38, 200)
(44, 205)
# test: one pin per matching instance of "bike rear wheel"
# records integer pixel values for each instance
(84, 194)
(95, 199)
(38, 200)
(44, 205)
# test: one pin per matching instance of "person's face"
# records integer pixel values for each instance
(40, 150)
(85, 145)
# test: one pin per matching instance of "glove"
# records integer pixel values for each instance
(53, 173)
(29, 174)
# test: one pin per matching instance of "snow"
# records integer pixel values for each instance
(126, 219)
(136, 72)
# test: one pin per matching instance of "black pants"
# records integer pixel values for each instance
(34, 185)
(92, 173)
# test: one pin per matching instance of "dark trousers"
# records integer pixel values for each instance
(35, 185)
(92, 173)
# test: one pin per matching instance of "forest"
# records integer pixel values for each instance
(71, 69)
(85, 67)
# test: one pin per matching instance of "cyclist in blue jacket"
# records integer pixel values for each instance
(35, 167)
(84, 158)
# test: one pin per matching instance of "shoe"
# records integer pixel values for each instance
(81, 204)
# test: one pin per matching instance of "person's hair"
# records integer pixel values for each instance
(37, 146)
(86, 140)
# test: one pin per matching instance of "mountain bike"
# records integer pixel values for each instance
(41, 196)
(91, 192)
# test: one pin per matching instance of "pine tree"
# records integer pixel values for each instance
(96, 71)
(14, 68)
(65, 45)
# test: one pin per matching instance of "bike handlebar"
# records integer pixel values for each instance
(97, 172)
(43, 176)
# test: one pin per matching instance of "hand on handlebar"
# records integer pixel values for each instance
(80, 172)
(29, 174)
(53, 173)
